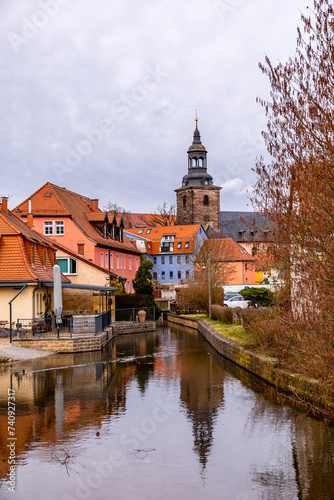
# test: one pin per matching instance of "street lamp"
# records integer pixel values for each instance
(209, 282)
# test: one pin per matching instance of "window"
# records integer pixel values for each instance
(48, 228)
(179, 275)
(187, 259)
(170, 275)
(67, 265)
(187, 274)
(130, 263)
(206, 218)
(149, 246)
(162, 260)
(206, 200)
(148, 231)
(107, 261)
(124, 262)
(117, 261)
(154, 260)
(140, 231)
(171, 259)
(47, 194)
(163, 275)
(137, 263)
(111, 261)
(178, 259)
(102, 259)
(155, 276)
(184, 220)
(184, 202)
(186, 244)
(179, 243)
(60, 227)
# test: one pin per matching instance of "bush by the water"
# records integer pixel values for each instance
(223, 314)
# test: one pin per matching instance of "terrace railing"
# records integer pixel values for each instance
(69, 326)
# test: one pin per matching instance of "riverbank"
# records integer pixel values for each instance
(314, 396)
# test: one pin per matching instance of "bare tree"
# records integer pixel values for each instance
(164, 216)
(212, 262)
(296, 189)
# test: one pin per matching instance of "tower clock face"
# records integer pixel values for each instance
(205, 182)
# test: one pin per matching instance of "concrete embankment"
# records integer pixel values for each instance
(305, 390)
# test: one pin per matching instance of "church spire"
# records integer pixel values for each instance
(197, 135)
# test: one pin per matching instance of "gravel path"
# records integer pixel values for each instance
(22, 353)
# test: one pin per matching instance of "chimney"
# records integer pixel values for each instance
(94, 205)
(30, 220)
(30, 216)
(4, 204)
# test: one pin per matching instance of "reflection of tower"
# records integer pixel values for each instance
(202, 394)
(198, 200)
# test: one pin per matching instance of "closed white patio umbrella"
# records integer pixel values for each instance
(57, 296)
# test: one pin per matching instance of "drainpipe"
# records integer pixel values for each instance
(10, 312)
(33, 301)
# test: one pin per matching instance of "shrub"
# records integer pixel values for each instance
(216, 311)
(226, 315)
(223, 314)
(258, 296)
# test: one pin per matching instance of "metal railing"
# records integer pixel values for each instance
(69, 326)
(43, 327)
(131, 314)
(102, 321)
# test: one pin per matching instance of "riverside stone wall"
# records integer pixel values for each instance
(265, 367)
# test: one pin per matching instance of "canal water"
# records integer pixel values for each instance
(156, 416)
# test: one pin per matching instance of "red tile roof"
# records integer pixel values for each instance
(226, 250)
(54, 200)
(16, 241)
(182, 235)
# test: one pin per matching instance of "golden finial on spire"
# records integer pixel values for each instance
(196, 119)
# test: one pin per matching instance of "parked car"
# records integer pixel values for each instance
(229, 295)
(237, 301)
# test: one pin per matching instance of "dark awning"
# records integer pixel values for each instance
(78, 286)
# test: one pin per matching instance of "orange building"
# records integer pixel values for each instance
(241, 263)
(76, 222)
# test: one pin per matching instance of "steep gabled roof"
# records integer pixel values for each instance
(245, 226)
(51, 199)
(16, 239)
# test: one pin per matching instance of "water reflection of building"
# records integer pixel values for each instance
(53, 405)
(202, 394)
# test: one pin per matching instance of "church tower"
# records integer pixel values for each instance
(198, 200)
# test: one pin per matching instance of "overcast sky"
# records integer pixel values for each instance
(99, 96)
